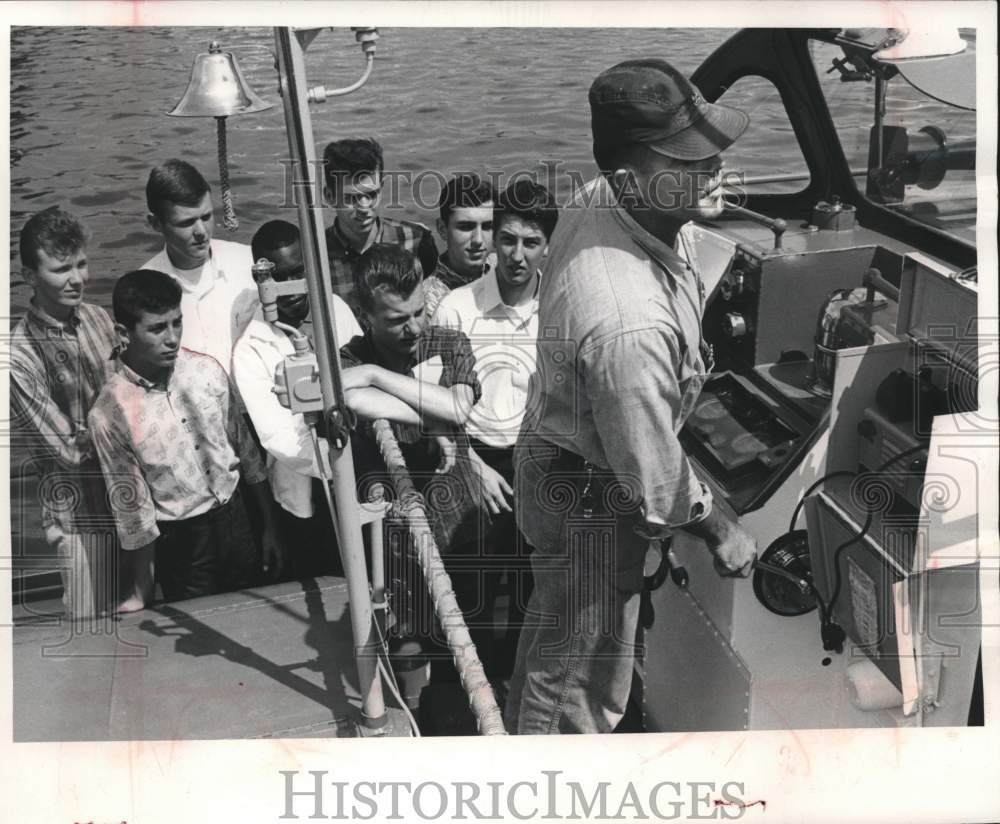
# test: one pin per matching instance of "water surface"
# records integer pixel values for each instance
(88, 116)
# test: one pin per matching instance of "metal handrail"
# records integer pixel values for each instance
(302, 151)
(791, 177)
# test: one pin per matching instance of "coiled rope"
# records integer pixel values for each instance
(228, 212)
(411, 506)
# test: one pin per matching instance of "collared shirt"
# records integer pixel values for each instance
(414, 237)
(291, 455)
(171, 453)
(57, 369)
(619, 361)
(219, 298)
(444, 279)
(503, 343)
(444, 357)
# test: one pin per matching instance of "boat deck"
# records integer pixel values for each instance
(199, 669)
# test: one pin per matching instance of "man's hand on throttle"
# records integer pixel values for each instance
(734, 552)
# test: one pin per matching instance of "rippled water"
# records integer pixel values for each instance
(88, 116)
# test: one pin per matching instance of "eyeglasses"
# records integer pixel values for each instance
(363, 199)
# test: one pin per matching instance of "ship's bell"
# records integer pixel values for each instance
(217, 88)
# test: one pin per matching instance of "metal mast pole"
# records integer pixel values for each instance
(290, 47)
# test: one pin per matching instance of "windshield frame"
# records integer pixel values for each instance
(783, 56)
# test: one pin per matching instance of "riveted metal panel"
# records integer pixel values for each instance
(693, 679)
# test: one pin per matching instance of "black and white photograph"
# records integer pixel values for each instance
(476, 372)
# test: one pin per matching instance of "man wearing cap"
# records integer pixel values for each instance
(600, 476)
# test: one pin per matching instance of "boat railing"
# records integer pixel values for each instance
(412, 508)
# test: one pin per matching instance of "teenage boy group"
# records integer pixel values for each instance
(164, 419)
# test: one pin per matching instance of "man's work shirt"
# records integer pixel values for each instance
(57, 369)
(218, 299)
(344, 259)
(291, 456)
(171, 453)
(619, 361)
(503, 343)
(443, 357)
(444, 279)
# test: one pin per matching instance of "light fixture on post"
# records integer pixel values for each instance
(367, 37)
(218, 89)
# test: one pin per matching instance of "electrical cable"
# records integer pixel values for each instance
(840, 473)
(904, 454)
(826, 608)
(394, 691)
(385, 667)
(325, 478)
(838, 581)
(829, 476)
(867, 525)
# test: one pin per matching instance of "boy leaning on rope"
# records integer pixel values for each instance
(431, 369)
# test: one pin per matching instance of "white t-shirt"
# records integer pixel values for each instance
(503, 342)
(219, 298)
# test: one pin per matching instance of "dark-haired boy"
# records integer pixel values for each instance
(499, 314)
(466, 226)
(432, 370)
(353, 181)
(60, 354)
(429, 368)
(219, 295)
(291, 458)
(167, 420)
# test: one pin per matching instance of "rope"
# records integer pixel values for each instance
(229, 213)
(470, 668)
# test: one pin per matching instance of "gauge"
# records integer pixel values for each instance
(782, 580)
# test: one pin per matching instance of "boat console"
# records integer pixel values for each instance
(845, 340)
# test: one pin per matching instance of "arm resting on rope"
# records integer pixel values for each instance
(450, 404)
(369, 402)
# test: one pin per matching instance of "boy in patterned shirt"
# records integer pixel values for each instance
(60, 354)
(167, 422)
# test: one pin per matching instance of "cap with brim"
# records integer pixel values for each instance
(650, 102)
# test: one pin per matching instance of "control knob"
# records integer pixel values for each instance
(734, 325)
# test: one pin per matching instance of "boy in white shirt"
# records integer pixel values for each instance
(291, 456)
(499, 314)
(219, 296)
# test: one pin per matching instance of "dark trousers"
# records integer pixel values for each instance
(210, 553)
(510, 553)
(476, 570)
(311, 542)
